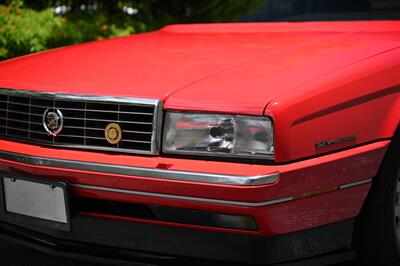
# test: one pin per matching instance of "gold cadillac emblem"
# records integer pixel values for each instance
(113, 133)
(53, 121)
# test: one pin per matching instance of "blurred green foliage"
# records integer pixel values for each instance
(25, 30)
(35, 25)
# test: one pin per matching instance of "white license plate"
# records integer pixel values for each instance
(34, 199)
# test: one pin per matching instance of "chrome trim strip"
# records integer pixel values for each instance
(170, 196)
(77, 97)
(208, 200)
(354, 184)
(156, 123)
(200, 177)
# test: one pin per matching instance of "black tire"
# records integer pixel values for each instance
(377, 231)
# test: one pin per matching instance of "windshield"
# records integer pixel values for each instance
(296, 10)
(320, 10)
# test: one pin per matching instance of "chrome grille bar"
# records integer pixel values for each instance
(85, 119)
(75, 109)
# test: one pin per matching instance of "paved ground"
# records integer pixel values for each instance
(19, 256)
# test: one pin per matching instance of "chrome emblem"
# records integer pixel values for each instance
(113, 133)
(53, 121)
(330, 142)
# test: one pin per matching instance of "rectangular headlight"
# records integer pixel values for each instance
(218, 135)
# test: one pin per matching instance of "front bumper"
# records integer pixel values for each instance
(308, 194)
(124, 244)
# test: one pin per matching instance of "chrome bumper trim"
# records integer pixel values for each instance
(200, 177)
(357, 183)
(215, 201)
(178, 197)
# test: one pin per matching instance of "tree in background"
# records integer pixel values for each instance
(35, 25)
(24, 30)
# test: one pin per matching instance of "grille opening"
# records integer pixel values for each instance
(72, 113)
(102, 106)
(17, 123)
(78, 122)
(112, 208)
(17, 99)
(42, 138)
(71, 140)
(135, 117)
(42, 102)
(37, 128)
(137, 136)
(37, 111)
(136, 127)
(138, 109)
(85, 120)
(78, 132)
(134, 146)
(157, 213)
(69, 104)
(97, 124)
(95, 132)
(102, 115)
(18, 133)
(100, 142)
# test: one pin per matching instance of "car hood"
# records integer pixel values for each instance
(235, 68)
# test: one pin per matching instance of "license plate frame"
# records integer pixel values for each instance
(10, 214)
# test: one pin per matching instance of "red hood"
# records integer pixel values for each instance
(217, 67)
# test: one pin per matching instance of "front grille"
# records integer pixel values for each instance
(85, 119)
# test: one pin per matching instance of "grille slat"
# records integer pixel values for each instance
(24, 130)
(98, 138)
(85, 120)
(24, 121)
(19, 112)
(101, 129)
(108, 120)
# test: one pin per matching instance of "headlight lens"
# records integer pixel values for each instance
(214, 134)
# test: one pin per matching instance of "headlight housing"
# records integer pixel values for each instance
(218, 135)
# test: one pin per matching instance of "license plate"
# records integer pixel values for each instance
(42, 201)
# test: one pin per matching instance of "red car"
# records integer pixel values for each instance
(254, 143)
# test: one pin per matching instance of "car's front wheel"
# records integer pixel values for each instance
(377, 232)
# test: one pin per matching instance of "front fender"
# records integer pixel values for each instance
(356, 105)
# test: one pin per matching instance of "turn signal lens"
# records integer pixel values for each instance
(236, 221)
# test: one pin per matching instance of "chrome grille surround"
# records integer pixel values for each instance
(85, 118)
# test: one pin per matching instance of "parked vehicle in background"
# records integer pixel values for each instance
(251, 143)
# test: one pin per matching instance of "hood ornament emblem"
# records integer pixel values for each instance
(53, 121)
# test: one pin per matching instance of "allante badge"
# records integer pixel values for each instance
(113, 133)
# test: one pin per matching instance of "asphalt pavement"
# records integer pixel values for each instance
(14, 255)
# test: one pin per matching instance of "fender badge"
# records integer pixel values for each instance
(113, 133)
(53, 121)
(326, 143)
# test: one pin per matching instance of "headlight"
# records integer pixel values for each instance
(218, 135)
